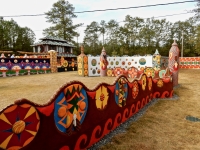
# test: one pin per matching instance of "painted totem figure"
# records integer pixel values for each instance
(156, 60)
(174, 62)
(103, 63)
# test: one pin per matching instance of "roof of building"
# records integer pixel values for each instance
(53, 41)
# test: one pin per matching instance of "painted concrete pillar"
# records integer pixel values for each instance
(53, 61)
(103, 63)
(82, 60)
(173, 63)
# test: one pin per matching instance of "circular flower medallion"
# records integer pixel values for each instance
(79, 65)
(150, 72)
(111, 63)
(144, 82)
(132, 72)
(85, 66)
(79, 59)
(85, 59)
(85, 72)
(135, 89)
(109, 72)
(19, 125)
(123, 63)
(160, 83)
(117, 62)
(101, 97)
(79, 72)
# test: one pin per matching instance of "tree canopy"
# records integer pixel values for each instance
(60, 16)
(15, 38)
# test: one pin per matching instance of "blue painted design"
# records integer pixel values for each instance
(74, 103)
(123, 90)
(56, 117)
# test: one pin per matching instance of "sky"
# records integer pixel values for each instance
(38, 23)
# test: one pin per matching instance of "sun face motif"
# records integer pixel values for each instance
(101, 97)
(19, 125)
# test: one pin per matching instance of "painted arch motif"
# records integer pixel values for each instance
(70, 108)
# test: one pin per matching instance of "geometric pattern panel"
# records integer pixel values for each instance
(189, 62)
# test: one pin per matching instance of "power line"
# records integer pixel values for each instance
(136, 6)
(145, 18)
(109, 9)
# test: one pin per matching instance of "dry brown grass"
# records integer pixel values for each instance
(41, 88)
(162, 127)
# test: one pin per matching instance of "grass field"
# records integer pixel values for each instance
(162, 127)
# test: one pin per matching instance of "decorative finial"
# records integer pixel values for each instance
(103, 50)
(156, 52)
(175, 44)
(82, 50)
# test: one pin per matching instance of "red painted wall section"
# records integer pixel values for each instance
(77, 117)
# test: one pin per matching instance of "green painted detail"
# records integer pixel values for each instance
(193, 119)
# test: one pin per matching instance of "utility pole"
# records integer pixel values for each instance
(182, 45)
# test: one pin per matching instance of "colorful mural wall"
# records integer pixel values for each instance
(189, 62)
(77, 117)
(66, 64)
(23, 64)
(120, 65)
(36, 64)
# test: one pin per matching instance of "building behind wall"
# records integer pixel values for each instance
(62, 47)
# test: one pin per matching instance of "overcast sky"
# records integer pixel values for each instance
(38, 23)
